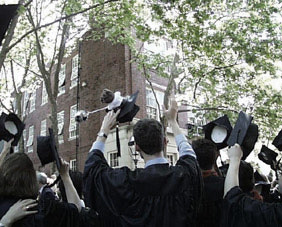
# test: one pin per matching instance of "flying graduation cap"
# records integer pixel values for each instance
(7, 12)
(218, 131)
(244, 133)
(11, 127)
(267, 155)
(47, 150)
(127, 106)
(277, 142)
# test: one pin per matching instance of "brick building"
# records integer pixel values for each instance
(103, 65)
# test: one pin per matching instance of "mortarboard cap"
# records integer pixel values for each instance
(218, 131)
(11, 127)
(277, 142)
(128, 109)
(259, 177)
(265, 188)
(244, 133)
(267, 155)
(47, 150)
(7, 12)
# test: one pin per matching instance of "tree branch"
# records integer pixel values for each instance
(55, 21)
(13, 77)
(5, 107)
(152, 88)
(209, 108)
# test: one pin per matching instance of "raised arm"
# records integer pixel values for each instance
(71, 192)
(232, 178)
(108, 123)
(5, 151)
(183, 146)
(171, 116)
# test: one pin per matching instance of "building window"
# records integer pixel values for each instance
(44, 94)
(29, 143)
(24, 137)
(60, 117)
(151, 112)
(16, 149)
(62, 80)
(32, 101)
(151, 103)
(113, 159)
(25, 103)
(170, 159)
(43, 128)
(72, 128)
(73, 164)
(74, 71)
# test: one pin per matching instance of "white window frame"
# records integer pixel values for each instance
(29, 143)
(62, 80)
(16, 149)
(170, 159)
(73, 164)
(72, 126)
(44, 98)
(74, 71)
(152, 110)
(24, 136)
(113, 159)
(60, 118)
(32, 102)
(25, 103)
(43, 127)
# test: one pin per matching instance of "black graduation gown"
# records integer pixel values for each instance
(34, 220)
(61, 214)
(244, 211)
(159, 195)
(210, 208)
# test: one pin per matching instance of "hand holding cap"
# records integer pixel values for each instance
(235, 152)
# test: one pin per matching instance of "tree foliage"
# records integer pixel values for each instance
(229, 51)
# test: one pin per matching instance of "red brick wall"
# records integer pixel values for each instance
(103, 65)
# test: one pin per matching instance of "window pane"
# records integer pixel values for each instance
(43, 128)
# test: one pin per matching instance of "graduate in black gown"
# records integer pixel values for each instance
(241, 210)
(211, 205)
(157, 195)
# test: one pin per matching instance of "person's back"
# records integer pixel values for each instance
(158, 195)
(240, 209)
(18, 181)
(247, 180)
(211, 205)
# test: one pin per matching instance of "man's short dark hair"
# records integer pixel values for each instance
(149, 135)
(206, 152)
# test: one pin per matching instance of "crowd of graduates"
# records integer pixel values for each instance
(193, 192)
